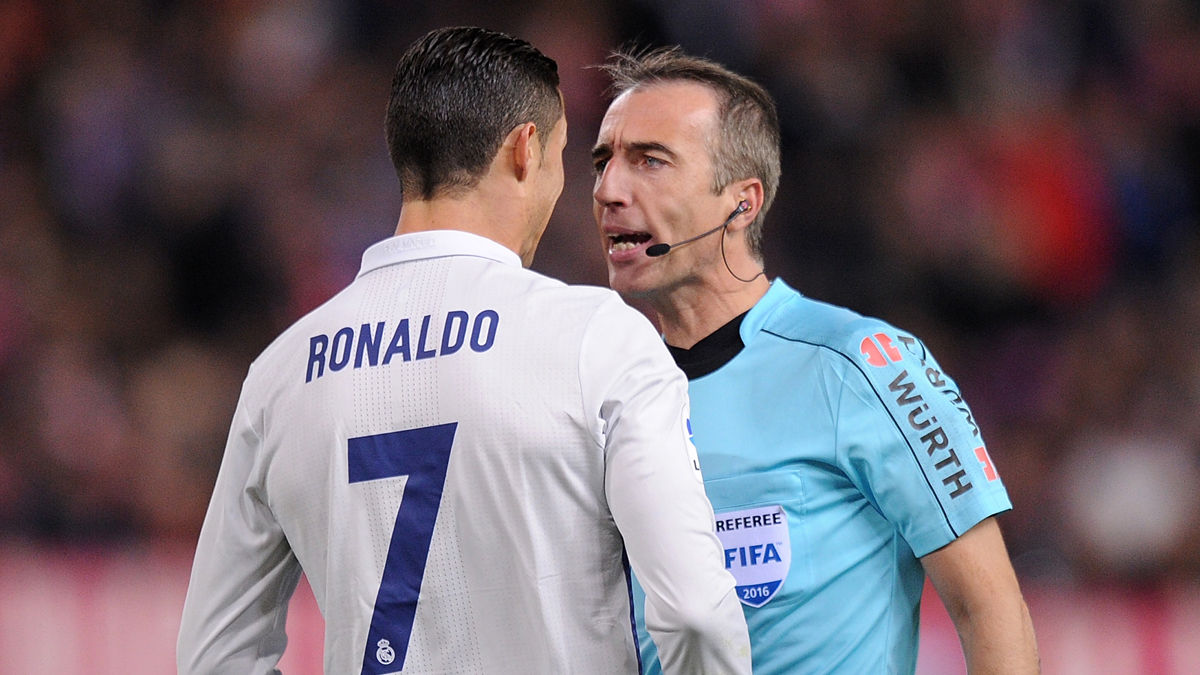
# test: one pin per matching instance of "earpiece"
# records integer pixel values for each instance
(742, 207)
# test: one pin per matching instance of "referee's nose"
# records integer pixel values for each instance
(612, 189)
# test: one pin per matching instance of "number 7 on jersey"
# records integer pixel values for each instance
(423, 455)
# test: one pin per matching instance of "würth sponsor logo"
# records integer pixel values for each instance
(933, 436)
(935, 378)
(879, 350)
(912, 345)
(989, 470)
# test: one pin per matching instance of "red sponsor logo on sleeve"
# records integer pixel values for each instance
(870, 348)
(989, 470)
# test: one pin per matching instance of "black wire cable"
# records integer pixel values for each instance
(726, 261)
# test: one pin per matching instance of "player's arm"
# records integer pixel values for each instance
(243, 574)
(638, 400)
(975, 580)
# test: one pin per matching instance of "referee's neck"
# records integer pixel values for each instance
(689, 313)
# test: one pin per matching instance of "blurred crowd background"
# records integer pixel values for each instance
(1017, 182)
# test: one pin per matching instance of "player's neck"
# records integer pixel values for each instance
(689, 313)
(478, 211)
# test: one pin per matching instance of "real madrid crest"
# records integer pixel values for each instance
(385, 654)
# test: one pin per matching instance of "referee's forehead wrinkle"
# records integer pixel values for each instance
(663, 117)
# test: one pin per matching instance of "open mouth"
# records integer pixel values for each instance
(626, 242)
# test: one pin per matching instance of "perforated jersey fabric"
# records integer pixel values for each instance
(464, 457)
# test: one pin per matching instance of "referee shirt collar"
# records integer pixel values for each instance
(434, 244)
(758, 315)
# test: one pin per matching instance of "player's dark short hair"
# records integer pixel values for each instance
(456, 95)
(746, 143)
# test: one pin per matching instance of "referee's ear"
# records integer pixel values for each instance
(751, 192)
(524, 150)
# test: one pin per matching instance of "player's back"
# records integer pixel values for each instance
(424, 435)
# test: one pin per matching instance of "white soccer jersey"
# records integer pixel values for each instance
(459, 452)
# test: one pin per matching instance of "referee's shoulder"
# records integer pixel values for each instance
(807, 321)
(862, 348)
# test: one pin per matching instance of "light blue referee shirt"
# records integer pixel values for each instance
(836, 453)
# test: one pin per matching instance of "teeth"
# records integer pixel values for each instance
(622, 246)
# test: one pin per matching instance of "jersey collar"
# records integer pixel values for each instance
(761, 312)
(434, 244)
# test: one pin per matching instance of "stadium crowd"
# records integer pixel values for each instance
(1016, 181)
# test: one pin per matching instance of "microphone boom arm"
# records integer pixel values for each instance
(658, 250)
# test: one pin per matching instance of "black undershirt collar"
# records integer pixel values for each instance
(714, 351)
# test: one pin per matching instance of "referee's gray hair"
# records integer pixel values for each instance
(747, 134)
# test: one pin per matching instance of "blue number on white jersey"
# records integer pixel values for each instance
(423, 455)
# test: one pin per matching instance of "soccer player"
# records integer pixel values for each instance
(459, 452)
(841, 460)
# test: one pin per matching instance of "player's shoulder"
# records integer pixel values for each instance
(276, 359)
(548, 290)
(552, 301)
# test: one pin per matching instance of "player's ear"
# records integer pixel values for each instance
(526, 153)
(751, 192)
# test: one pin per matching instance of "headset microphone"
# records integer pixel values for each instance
(663, 249)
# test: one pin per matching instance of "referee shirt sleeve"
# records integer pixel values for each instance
(638, 403)
(244, 571)
(910, 443)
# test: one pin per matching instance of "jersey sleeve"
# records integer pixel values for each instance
(909, 441)
(243, 574)
(638, 403)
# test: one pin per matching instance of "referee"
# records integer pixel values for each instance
(842, 462)
(465, 457)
